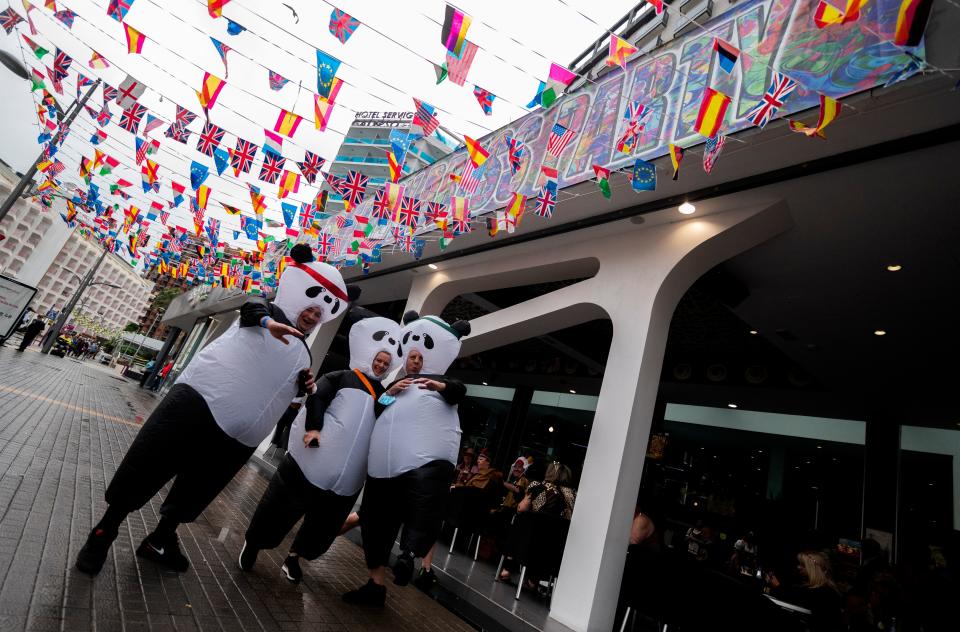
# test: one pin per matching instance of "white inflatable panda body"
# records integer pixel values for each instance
(246, 376)
(339, 464)
(420, 426)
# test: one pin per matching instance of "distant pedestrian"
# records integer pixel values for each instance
(161, 376)
(30, 332)
(147, 372)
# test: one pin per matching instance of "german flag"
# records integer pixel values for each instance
(911, 22)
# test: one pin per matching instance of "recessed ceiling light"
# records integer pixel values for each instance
(432, 266)
(550, 429)
(879, 332)
(573, 391)
(894, 267)
(484, 383)
(731, 405)
(687, 208)
(753, 332)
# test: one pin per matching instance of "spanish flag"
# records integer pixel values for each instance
(829, 110)
(712, 112)
(911, 22)
(287, 123)
(215, 7)
(515, 210)
(394, 193)
(135, 39)
(676, 155)
(203, 194)
(210, 90)
(323, 106)
(478, 155)
(289, 183)
(394, 166)
(827, 15)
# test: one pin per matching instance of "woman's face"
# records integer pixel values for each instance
(381, 362)
(517, 470)
(468, 458)
(483, 462)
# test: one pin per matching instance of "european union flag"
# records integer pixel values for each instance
(220, 159)
(234, 29)
(198, 173)
(289, 212)
(399, 142)
(644, 176)
(327, 66)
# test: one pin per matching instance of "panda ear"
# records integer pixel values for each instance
(410, 316)
(462, 327)
(301, 253)
(353, 292)
(357, 313)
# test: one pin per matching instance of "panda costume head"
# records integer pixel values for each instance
(435, 339)
(370, 336)
(309, 284)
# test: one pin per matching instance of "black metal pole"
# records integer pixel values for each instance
(28, 176)
(65, 314)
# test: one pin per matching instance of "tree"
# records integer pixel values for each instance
(132, 327)
(165, 296)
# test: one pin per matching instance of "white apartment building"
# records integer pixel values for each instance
(41, 251)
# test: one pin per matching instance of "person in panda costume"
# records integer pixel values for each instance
(321, 476)
(413, 452)
(220, 408)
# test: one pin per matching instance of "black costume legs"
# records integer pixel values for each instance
(416, 500)
(180, 439)
(289, 497)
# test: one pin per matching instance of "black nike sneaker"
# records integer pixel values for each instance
(248, 557)
(91, 557)
(370, 594)
(291, 569)
(166, 552)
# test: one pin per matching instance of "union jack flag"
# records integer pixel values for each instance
(776, 95)
(184, 116)
(342, 25)
(546, 200)
(61, 65)
(325, 243)
(381, 207)
(209, 139)
(241, 158)
(178, 132)
(109, 93)
(335, 182)
(117, 9)
(104, 116)
(435, 212)
(307, 212)
(272, 167)
(9, 19)
(409, 213)
(515, 149)
(354, 187)
(310, 166)
(132, 116)
(635, 111)
(560, 137)
(66, 16)
(485, 99)
(406, 243)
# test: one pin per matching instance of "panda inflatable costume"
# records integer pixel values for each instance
(220, 408)
(321, 484)
(413, 452)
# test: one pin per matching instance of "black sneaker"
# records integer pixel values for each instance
(91, 557)
(370, 594)
(291, 569)
(166, 553)
(403, 569)
(426, 579)
(248, 557)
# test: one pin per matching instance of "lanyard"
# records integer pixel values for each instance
(366, 382)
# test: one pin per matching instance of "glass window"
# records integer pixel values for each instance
(557, 428)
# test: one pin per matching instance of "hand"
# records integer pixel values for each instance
(431, 385)
(306, 383)
(310, 436)
(399, 386)
(280, 331)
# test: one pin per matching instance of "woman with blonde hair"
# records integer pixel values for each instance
(817, 592)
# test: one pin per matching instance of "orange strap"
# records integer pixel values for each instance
(366, 382)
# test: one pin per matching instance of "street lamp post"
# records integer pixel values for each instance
(17, 68)
(65, 314)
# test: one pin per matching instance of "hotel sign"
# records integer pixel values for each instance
(383, 119)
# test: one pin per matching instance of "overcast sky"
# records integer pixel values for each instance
(379, 74)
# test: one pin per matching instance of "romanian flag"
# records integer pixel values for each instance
(619, 51)
(911, 22)
(676, 155)
(394, 166)
(287, 123)
(215, 7)
(829, 110)
(135, 39)
(289, 183)
(712, 112)
(454, 32)
(203, 194)
(210, 90)
(478, 155)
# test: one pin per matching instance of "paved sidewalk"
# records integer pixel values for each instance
(64, 426)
